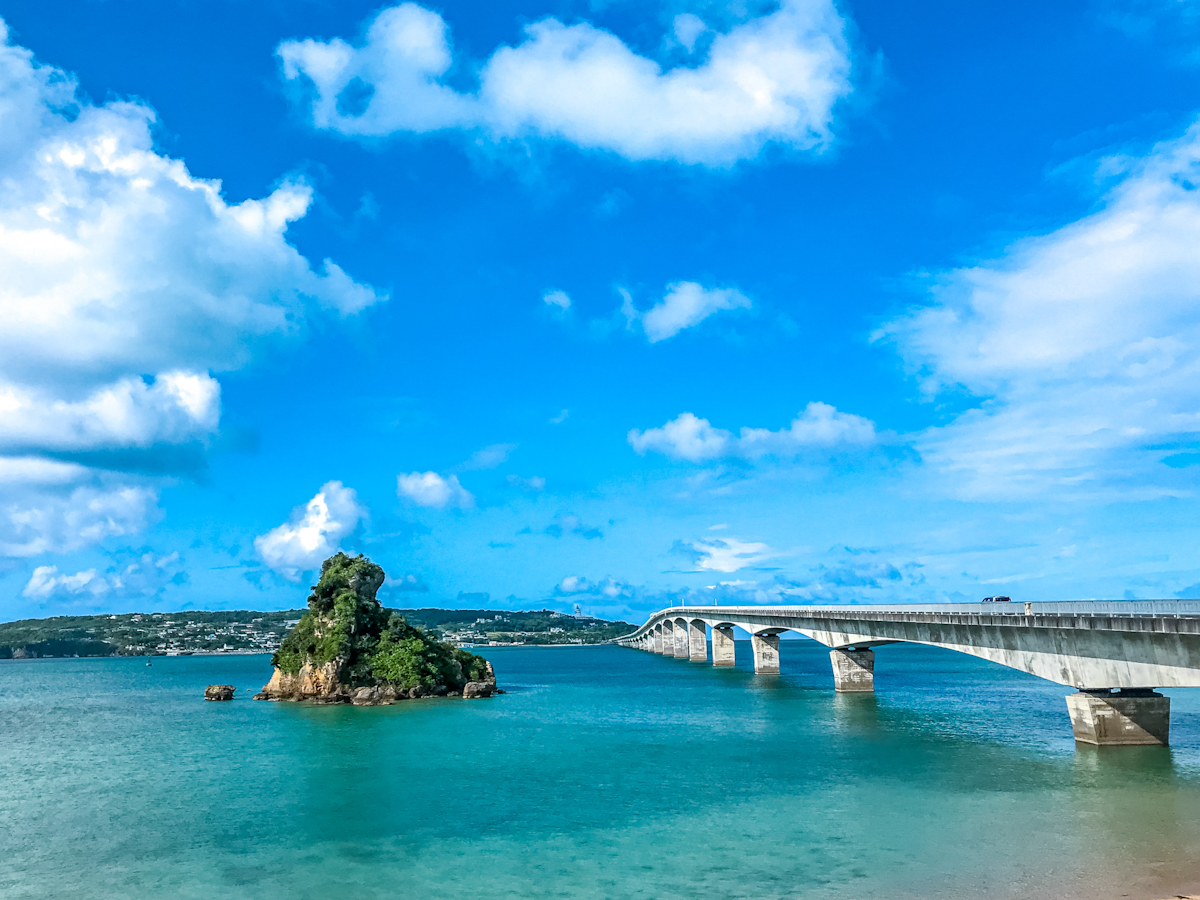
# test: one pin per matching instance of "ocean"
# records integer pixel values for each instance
(603, 772)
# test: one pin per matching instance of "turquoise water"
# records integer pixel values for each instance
(605, 772)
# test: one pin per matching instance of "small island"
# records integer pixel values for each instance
(347, 648)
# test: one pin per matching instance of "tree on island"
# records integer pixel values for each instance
(349, 649)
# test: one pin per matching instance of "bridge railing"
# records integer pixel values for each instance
(1163, 607)
(1054, 607)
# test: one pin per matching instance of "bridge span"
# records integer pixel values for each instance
(1115, 653)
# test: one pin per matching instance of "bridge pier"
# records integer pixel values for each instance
(656, 639)
(853, 671)
(722, 640)
(697, 641)
(668, 637)
(681, 640)
(766, 653)
(1132, 717)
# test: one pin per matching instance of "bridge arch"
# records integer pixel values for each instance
(1098, 647)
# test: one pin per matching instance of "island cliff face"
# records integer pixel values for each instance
(348, 649)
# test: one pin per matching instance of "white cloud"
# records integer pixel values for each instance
(146, 576)
(433, 490)
(820, 426)
(684, 437)
(608, 588)
(47, 582)
(40, 515)
(313, 532)
(773, 79)
(561, 417)
(16, 471)
(573, 584)
(1083, 345)
(685, 304)
(177, 407)
(118, 262)
(557, 299)
(725, 554)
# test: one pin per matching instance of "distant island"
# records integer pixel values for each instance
(347, 648)
(250, 631)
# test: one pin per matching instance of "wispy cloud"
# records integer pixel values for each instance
(488, 458)
(1082, 346)
(533, 484)
(685, 305)
(724, 554)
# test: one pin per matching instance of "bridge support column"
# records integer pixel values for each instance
(853, 670)
(697, 641)
(722, 646)
(766, 653)
(656, 639)
(681, 640)
(668, 639)
(1133, 717)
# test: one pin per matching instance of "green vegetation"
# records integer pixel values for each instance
(147, 634)
(345, 623)
(532, 627)
(249, 631)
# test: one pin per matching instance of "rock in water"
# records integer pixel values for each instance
(348, 649)
(473, 690)
(219, 692)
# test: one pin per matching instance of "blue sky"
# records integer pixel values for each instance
(603, 303)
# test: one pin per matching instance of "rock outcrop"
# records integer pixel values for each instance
(219, 692)
(473, 690)
(348, 649)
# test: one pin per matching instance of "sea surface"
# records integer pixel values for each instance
(604, 772)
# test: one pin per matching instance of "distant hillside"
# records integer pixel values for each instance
(248, 631)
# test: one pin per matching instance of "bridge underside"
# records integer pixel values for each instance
(1096, 654)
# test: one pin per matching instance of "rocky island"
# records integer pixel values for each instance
(347, 648)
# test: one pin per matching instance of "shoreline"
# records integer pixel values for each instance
(271, 652)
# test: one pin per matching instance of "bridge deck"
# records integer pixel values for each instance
(1086, 644)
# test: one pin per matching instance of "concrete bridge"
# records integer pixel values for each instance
(1115, 653)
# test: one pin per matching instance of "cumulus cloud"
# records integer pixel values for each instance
(557, 299)
(608, 588)
(312, 533)
(820, 426)
(176, 407)
(118, 262)
(776, 79)
(1082, 345)
(685, 304)
(433, 490)
(42, 516)
(146, 576)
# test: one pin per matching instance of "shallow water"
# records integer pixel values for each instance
(605, 772)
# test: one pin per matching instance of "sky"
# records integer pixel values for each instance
(603, 303)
